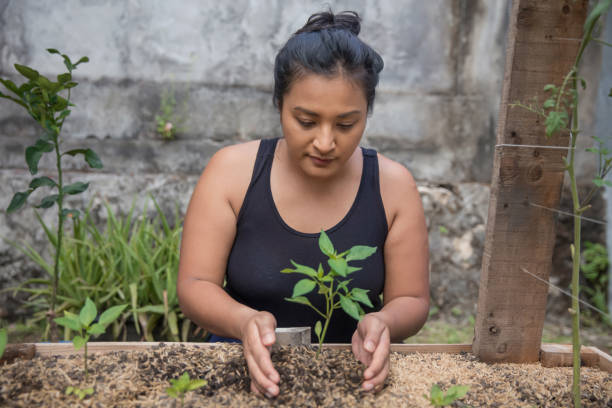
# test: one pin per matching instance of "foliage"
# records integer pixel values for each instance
(84, 324)
(82, 393)
(183, 385)
(595, 271)
(168, 121)
(133, 260)
(335, 298)
(560, 112)
(437, 398)
(3, 340)
(41, 97)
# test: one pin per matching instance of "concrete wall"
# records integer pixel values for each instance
(435, 111)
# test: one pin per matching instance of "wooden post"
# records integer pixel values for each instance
(542, 43)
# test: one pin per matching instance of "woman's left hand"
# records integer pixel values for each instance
(371, 344)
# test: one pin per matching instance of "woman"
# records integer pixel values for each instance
(259, 204)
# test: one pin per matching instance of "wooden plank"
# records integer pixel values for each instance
(552, 355)
(18, 351)
(560, 355)
(520, 234)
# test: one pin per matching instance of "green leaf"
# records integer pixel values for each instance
(300, 299)
(88, 313)
(549, 103)
(326, 245)
(610, 94)
(306, 270)
(555, 121)
(70, 322)
(27, 72)
(320, 271)
(69, 390)
(339, 266)
(78, 342)
(303, 287)
(33, 155)
(111, 314)
(10, 85)
(75, 188)
(598, 182)
(90, 157)
(349, 307)
(597, 11)
(3, 340)
(96, 329)
(317, 329)
(171, 392)
(42, 181)
(52, 51)
(63, 115)
(343, 284)
(195, 384)
(360, 252)
(159, 309)
(70, 85)
(82, 60)
(435, 392)
(45, 84)
(361, 295)
(18, 201)
(549, 87)
(48, 201)
(63, 78)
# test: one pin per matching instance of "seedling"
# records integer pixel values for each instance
(3, 341)
(42, 99)
(81, 393)
(331, 285)
(84, 324)
(438, 398)
(183, 385)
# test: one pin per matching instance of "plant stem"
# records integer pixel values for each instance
(60, 234)
(85, 360)
(575, 252)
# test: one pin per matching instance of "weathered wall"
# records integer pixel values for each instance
(435, 111)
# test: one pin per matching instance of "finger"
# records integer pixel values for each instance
(376, 383)
(379, 357)
(259, 351)
(258, 379)
(371, 334)
(266, 325)
(357, 346)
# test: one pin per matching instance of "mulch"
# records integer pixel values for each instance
(140, 378)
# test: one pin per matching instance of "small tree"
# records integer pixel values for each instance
(42, 99)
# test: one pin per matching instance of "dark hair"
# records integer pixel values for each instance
(328, 45)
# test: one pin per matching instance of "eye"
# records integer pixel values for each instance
(306, 123)
(345, 126)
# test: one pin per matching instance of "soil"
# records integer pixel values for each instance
(139, 379)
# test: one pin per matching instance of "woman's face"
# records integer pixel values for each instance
(323, 119)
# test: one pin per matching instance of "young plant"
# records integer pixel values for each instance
(332, 285)
(82, 393)
(560, 113)
(41, 98)
(168, 121)
(84, 324)
(183, 385)
(3, 340)
(438, 398)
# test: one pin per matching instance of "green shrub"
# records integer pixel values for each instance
(133, 260)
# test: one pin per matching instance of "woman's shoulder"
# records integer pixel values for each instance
(235, 154)
(398, 188)
(394, 173)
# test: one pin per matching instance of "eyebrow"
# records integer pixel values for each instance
(311, 113)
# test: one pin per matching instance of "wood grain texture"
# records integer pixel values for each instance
(541, 49)
(560, 355)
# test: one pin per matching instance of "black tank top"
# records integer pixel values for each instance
(264, 245)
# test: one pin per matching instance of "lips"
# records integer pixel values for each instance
(319, 161)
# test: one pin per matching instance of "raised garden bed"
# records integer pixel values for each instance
(137, 374)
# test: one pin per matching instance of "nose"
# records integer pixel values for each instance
(325, 141)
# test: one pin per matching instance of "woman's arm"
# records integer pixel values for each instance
(208, 235)
(406, 291)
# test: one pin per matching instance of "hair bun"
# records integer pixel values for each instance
(346, 20)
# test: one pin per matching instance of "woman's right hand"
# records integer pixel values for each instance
(257, 336)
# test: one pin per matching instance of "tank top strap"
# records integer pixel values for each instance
(370, 168)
